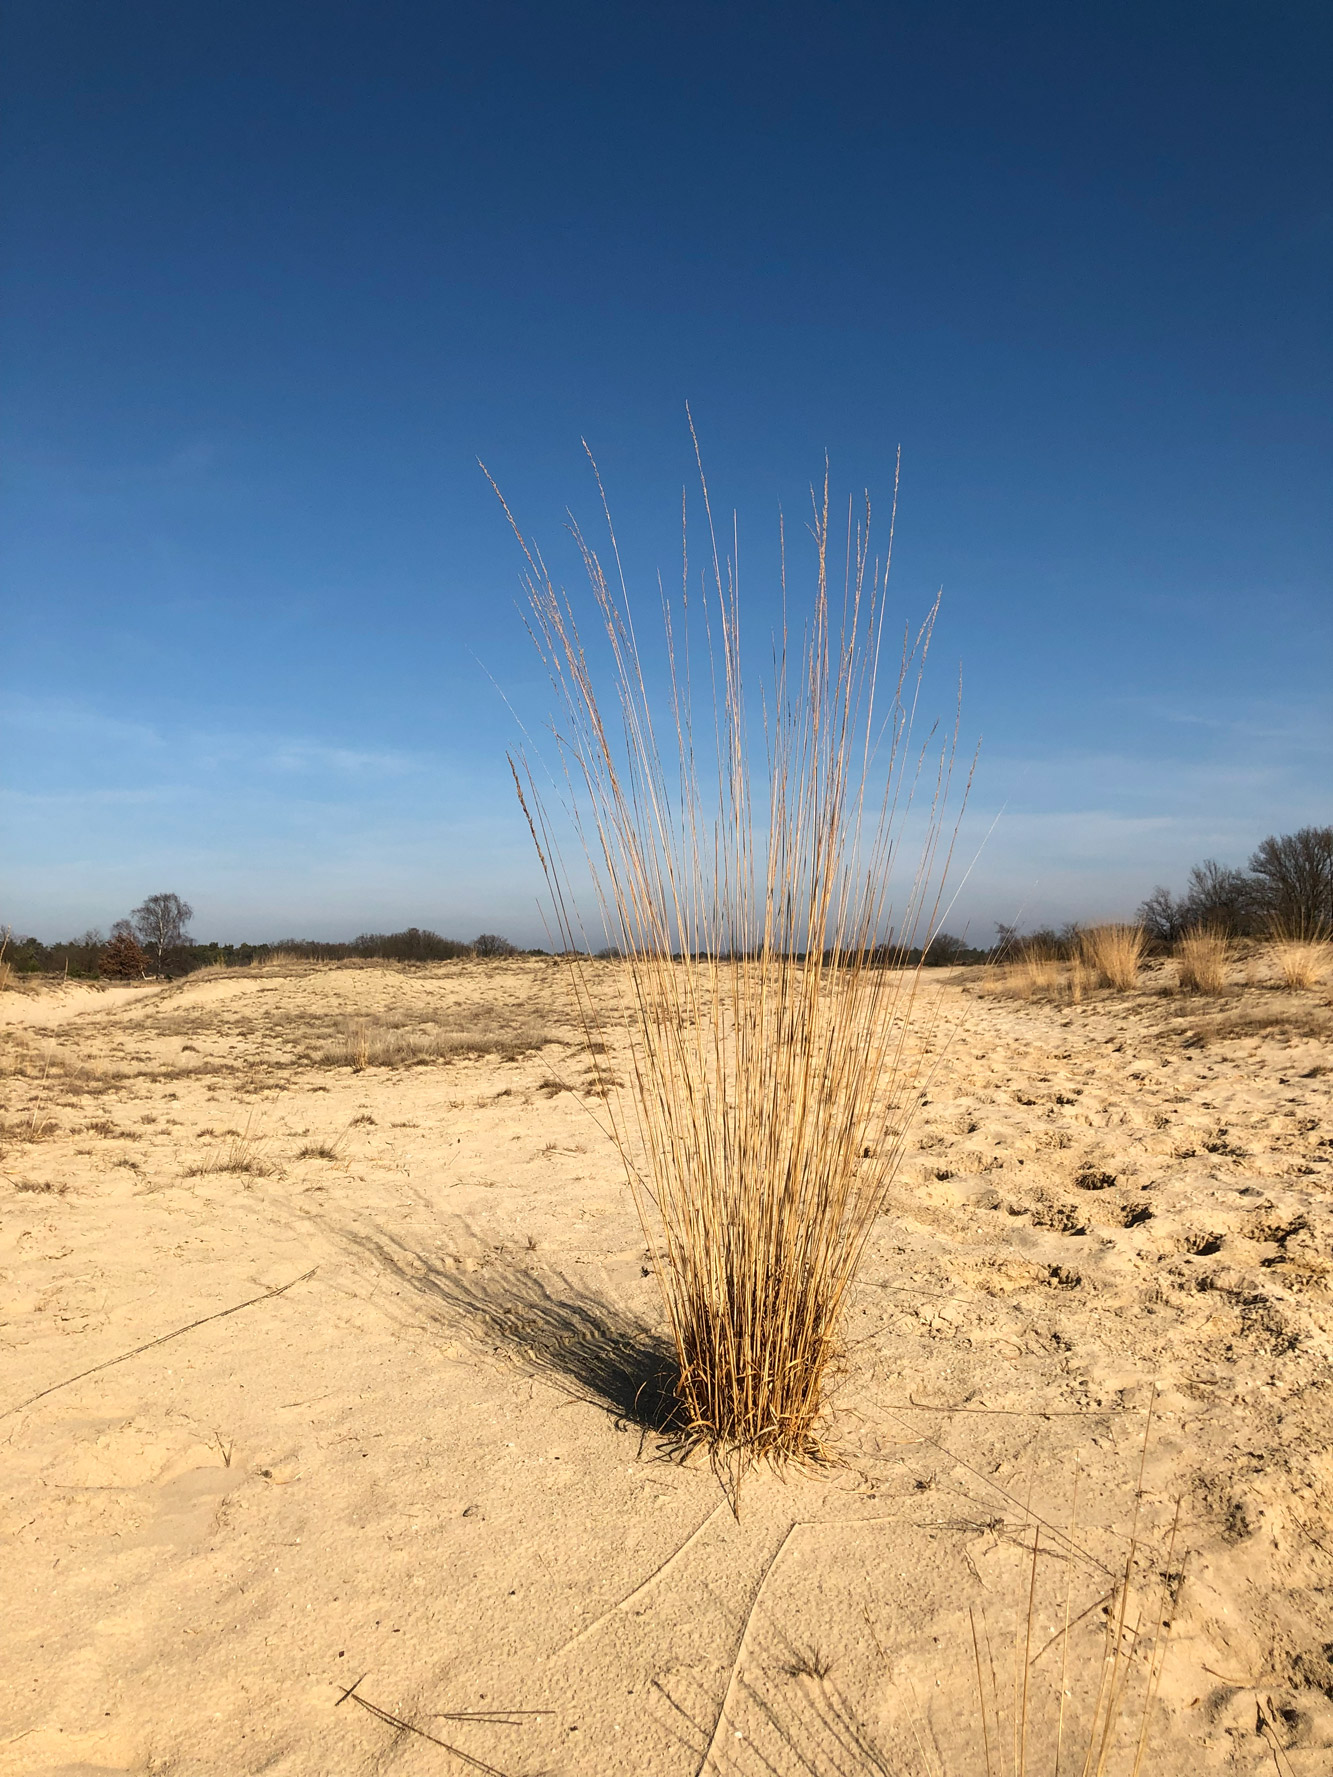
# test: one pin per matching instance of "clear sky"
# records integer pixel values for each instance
(275, 277)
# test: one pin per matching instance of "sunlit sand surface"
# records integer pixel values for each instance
(429, 1468)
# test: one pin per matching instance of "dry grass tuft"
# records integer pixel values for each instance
(771, 1062)
(1036, 973)
(324, 1150)
(243, 1154)
(285, 959)
(1202, 959)
(1302, 962)
(1114, 953)
(1039, 974)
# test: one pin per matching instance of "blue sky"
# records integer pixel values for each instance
(274, 278)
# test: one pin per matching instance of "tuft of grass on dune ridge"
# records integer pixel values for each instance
(770, 1057)
(1114, 953)
(1302, 962)
(1202, 960)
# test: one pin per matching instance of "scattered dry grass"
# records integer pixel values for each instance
(38, 1125)
(242, 1154)
(1202, 959)
(378, 1042)
(1278, 1015)
(770, 1062)
(1047, 1718)
(1039, 974)
(1302, 962)
(1114, 953)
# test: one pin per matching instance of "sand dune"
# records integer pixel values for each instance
(429, 1466)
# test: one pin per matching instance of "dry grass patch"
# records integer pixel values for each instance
(1302, 962)
(1038, 975)
(243, 1155)
(378, 1042)
(38, 1125)
(1279, 1017)
(1114, 953)
(1202, 959)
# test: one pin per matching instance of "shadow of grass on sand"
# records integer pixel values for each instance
(589, 1348)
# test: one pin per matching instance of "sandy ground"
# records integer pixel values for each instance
(418, 1469)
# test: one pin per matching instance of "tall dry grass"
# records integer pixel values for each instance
(1114, 953)
(1302, 962)
(1038, 973)
(1034, 972)
(770, 1061)
(1202, 959)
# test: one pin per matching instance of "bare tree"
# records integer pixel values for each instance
(1162, 916)
(492, 944)
(1219, 899)
(1294, 875)
(159, 923)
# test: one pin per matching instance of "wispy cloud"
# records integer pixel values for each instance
(176, 753)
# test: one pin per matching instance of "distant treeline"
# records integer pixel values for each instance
(1287, 890)
(942, 952)
(85, 957)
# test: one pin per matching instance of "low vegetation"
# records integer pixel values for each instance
(125, 956)
(1114, 954)
(1202, 958)
(1302, 962)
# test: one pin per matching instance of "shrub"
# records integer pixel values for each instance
(491, 944)
(123, 959)
(1162, 916)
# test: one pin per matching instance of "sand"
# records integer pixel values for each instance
(419, 1469)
